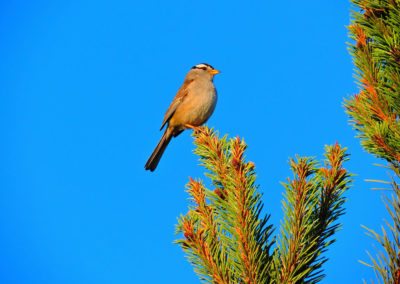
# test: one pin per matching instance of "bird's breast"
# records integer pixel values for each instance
(198, 105)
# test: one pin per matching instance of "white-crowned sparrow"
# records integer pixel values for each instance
(192, 106)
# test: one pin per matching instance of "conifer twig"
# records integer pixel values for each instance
(314, 200)
(229, 216)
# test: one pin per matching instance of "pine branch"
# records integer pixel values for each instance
(375, 110)
(201, 233)
(386, 263)
(227, 220)
(313, 202)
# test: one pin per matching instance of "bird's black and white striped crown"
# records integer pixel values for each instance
(203, 66)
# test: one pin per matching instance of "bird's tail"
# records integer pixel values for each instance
(152, 162)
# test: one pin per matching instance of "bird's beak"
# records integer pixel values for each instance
(214, 72)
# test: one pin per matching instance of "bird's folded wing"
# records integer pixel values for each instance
(180, 96)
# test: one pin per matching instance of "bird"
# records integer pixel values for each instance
(191, 107)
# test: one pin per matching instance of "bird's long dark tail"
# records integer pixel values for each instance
(154, 159)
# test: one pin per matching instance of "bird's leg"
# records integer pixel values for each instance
(194, 128)
(190, 126)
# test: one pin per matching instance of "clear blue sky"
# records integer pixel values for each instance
(83, 89)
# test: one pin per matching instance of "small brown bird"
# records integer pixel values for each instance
(192, 106)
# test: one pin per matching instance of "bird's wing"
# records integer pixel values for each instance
(180, 96)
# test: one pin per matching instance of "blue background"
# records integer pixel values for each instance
(83, 89)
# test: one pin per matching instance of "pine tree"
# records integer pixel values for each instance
(375, 111)
(228, 239)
